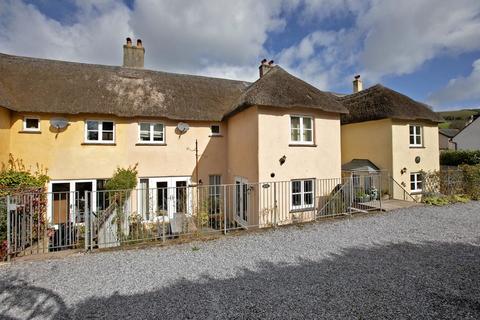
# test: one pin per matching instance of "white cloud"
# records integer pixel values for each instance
(217, 37)
(460, 89)
(96, 35)
(226, 38)
(400, 36)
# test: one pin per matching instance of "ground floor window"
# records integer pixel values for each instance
(214, 193)
(302, 194)
(416, 182)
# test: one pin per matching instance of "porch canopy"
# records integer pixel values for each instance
(364, 165)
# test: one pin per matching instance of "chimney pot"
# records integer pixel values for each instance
(265, 67)
(139, 43)
(129, 42)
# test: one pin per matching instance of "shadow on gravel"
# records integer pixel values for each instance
(427, 281)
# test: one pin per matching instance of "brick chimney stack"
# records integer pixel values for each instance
(133, 56)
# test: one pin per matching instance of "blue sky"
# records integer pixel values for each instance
(428, 49)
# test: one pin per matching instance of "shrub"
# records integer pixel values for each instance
(123, 179)
(460, 157)
(16, 178)
(471, 176)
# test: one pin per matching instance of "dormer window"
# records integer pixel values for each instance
(215, 130)
(31, 124)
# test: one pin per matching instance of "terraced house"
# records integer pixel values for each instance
(191, 135)
(82, 121)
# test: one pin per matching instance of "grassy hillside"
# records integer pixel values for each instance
(456, 119)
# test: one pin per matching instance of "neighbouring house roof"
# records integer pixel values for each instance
(360, 165)
(467, 126)
(379, 102)
(50, 86)
(280, 89)
(450, 133)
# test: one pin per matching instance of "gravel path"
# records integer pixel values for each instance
(417, 263)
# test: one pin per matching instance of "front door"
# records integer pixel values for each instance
(241, 200)
(67, 201)
(169, 195)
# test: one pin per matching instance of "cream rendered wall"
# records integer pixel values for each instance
(67, 157)
(4, 134)
(242, 145)
(370, 140)
(404, 155)
(321, 161)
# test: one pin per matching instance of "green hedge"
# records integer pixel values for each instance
(456, 158)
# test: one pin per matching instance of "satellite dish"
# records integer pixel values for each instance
(59, 123)
(183, 127)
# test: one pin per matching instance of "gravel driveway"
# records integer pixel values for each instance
(417, 263)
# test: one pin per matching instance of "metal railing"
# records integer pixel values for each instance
(46, 222)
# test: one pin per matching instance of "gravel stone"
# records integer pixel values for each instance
(416, 263)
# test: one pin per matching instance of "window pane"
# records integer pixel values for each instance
(308, 186)
(412, 130)
(31, 123)
(215, 129)
(158, 132)
(308, 198)
(92, 135)
(296, 199)
(412, 186)
(418, 140)
(412, 139)
(92, 125)
(295, 122)
(307, 123)
(107, 126)
(296, 186)
(107, 136)
(307, 136)
(295, 135)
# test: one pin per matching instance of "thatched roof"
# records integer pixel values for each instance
(49, 86)
(379, 102)
(280, 89)
(39, 85)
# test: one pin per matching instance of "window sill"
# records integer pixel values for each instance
(216, 136)
(416, 192)
(302, 145)
(30, 131)
(417, 147)
(306, 209)
(98, 144)
(150, 144)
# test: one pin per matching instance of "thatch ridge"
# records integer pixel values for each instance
(41, 85)
(379, 102)
(281, 89)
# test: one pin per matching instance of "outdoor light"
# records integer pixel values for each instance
(282, 160)
(403, 170)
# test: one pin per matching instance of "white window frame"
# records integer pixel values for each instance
(415, 135)
(301, 141)
(302, 193)
(31, 129)
(214, 133)
(152, 125)
(416, 182)
(215, 191)
(100, 132)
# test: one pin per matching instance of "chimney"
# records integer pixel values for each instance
(265, 67)
(357, 84)
(133, 56)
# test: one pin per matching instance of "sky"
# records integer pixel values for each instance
(426, 49)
